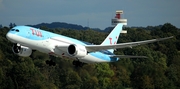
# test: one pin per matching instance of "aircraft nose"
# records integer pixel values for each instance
(9, 36)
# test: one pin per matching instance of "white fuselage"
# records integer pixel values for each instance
(49, 46)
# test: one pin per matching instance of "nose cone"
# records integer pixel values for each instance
(9, 36)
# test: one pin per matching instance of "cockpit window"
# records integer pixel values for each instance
(12, 29)
(17, 30)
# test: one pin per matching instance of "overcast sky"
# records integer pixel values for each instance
(98, 13)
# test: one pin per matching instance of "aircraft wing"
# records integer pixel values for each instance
(127, 56)
(93, 48)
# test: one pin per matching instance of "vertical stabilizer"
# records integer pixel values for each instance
(112, 38)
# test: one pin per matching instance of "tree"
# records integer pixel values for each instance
(160, 70)
(11, 25)
(1, 26)
(104, 74)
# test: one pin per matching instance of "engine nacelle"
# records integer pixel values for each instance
(21, 50)
(77, 50)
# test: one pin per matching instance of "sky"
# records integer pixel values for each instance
(92, 13)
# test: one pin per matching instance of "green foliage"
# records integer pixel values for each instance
(161, 70)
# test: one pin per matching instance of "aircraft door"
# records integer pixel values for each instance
(28, 34)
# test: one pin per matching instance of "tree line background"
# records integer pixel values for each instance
(161, 70)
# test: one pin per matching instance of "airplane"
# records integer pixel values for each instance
(26, 39)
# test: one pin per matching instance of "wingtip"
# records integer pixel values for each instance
(171, 36)
(165, 38)
(145, 57)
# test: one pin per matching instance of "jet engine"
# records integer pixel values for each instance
(77, 50)
(21, 50)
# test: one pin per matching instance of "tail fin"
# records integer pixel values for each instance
(112, 38)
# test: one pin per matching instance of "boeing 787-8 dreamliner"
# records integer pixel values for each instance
(27, 38)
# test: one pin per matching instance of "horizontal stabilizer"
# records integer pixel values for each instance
(127, 56)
